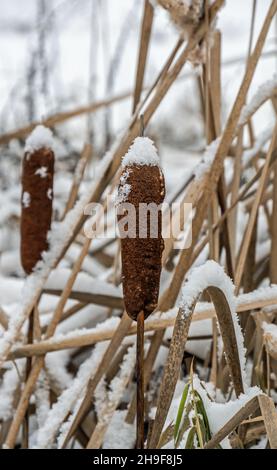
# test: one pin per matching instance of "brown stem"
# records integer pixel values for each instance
(140, 380)
(28, 370)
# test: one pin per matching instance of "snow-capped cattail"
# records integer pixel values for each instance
(37, 196)
(141, 184)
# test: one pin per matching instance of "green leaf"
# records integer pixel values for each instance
(201, 410)
(190, 439)
(181, 411)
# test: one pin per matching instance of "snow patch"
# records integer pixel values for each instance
(50, 194)
(208, 159)
(42, 171)
(263, 93)
(260, 142)
(68, 398)
(119, 435)
(26, 199)
(141, 152)
(212, 274)
(41, 137)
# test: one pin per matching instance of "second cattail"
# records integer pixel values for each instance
(141, 188)
(37, 196)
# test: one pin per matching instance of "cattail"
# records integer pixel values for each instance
(141, 183)
(37, 196)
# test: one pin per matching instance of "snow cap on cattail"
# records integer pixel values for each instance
(37, 196)
(141, 181)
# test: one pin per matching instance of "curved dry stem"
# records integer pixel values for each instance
(176, 352)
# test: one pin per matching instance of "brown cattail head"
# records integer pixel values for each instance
(37, 196)
(141, 182)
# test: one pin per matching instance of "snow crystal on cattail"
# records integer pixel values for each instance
(141, 152)
(41, 137)
(42, 171)
(26, 199)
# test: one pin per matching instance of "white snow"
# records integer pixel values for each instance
(10, 290)
(270, 328)
(263, 93)
(50, 194)
(42, 171)
(109, 324)
(119, 435)
(56, 367)
(212, 274)
(26, 199)
(41, 137)
(141, 152)
(10, 383)
(269, 293)
(208, 158)
(218, 413)
(123, 193)
(262, 139)
(201, 277)
(270, 337)
(106, 402)
(66, 401)
(42, 397)
(83, 283)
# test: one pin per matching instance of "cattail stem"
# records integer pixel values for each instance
(25, 444)
(140, 381)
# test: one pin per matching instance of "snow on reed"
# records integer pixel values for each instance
(66, 425)
(56, 366)
(264, 92)
(66, 401)
(208, 158)
(211, 274)
(119, 435)
(106, 403)
(268, 292)
(107, 325)
(42, 398)
(262, 139)
(9, 384)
